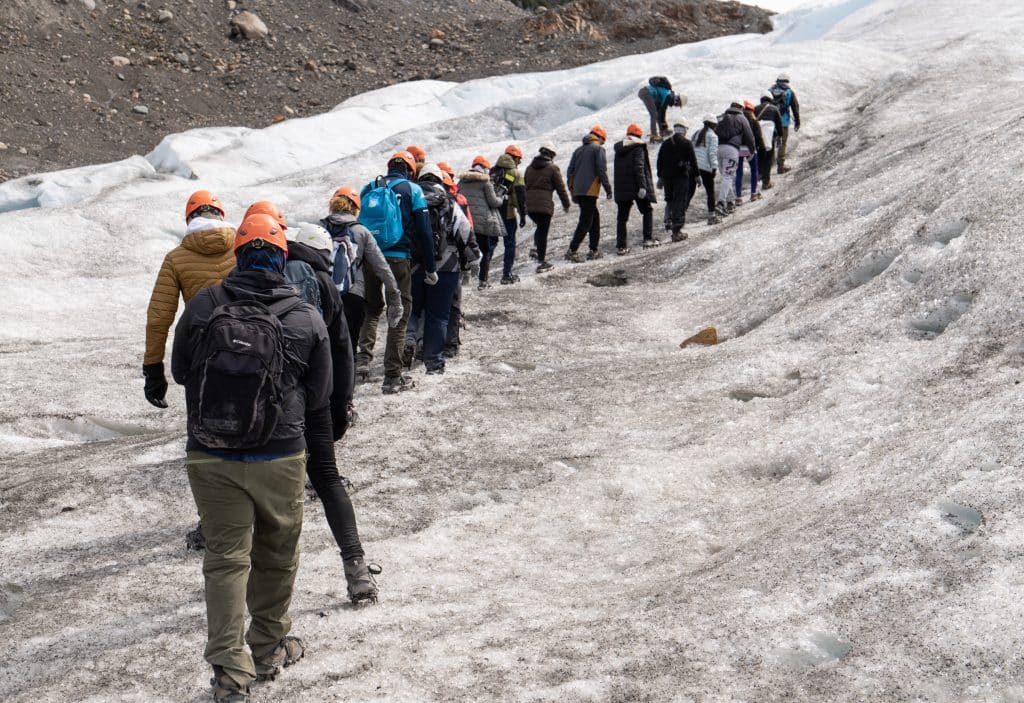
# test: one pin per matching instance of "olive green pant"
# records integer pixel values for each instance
(251, 514)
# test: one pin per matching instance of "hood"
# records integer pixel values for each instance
(263, 286)
(627, 144)
(335, 223)
(473, 177)
(540, 162)
(591, 139)
(208, 237)
(318, 259)
(506, 162)
(733, 110)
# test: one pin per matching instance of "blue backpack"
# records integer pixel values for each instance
(302, 278)
(382, 212)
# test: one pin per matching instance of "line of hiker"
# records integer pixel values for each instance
(280, 323)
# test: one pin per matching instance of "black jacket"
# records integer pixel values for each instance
(767, 112)
(734, 130)
(632, 172)
(337, 332)
(676, 158)
(306, 384)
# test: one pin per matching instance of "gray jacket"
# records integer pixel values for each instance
(484, 204)
(588, 169)
(367, 254)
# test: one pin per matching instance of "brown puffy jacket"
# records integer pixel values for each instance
(203, 258)
(543, 177)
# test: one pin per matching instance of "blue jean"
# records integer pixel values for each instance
(752, 159)
(434, 305)
(510, 247)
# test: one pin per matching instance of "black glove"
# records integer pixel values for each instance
(156, 384)
(575, 199)
(522, 221)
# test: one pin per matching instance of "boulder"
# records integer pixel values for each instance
(120, 61)
(249, 25)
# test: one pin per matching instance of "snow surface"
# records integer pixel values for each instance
(823, 507)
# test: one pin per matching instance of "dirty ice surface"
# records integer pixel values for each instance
(823, 507)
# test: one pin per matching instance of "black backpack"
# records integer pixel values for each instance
(234, 384)
(302, 278)
(500, 184)
(442, 219)
(659, 82)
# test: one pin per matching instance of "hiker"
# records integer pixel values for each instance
(203, 258)
(789, 107)
(770, 119)
(485, 206)
(733, 133)
(677, 174)
(342, 224)
(418, 154)
(452, 241)
(311, 252)
(543, 177)
(505, 174)
(586, 176)
(247, 470)
(453, 341)
(400, 228)
(705, 146)
(750, 157)
(656, 96)
(633, 183)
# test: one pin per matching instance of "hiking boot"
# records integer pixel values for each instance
(361, 584)
(657, 139)
(593, 255)
(622, 251)
(482, 284)
(720, 208)
(408, 354)
(679, 235)
(651, 243)
(544, 267)
(714, 219)
(435, 370)
(450, 351)
(738, 201)
(509, 280)
(194, 539)
(574, 256)
(767, 186)
(226, 689)
(784, 169)
(730, 208)
(396, 384)
(755, 196)
(362, 371)
(288, 651)
(533, 254)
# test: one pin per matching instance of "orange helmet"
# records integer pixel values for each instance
(447, 179)
(598, 131)
(265, 207)
(634, 130)
(514, 151)
(748, 105)
(481, 160)
(263, 228)
(445, 168)
(417, 152)
(350, 193)
(202, 198)
(405, 157)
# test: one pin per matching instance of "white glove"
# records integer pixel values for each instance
(641, 194)
(430, 278)
(395, 313)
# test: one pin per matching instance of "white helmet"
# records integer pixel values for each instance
(783, 78)
(548, 147)
(311, 235)
(709, 118)
(767, 95)
(430, 170)
(681, 122)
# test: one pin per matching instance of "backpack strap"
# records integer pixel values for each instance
(282, 307)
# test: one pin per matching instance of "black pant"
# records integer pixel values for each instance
(322, 471)
(590, 223)
(540, 235)
(487, 246)
(355, 311)
(646, 212)
(764, 163)
(678, 192)
(707, 179)
(455, 319)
